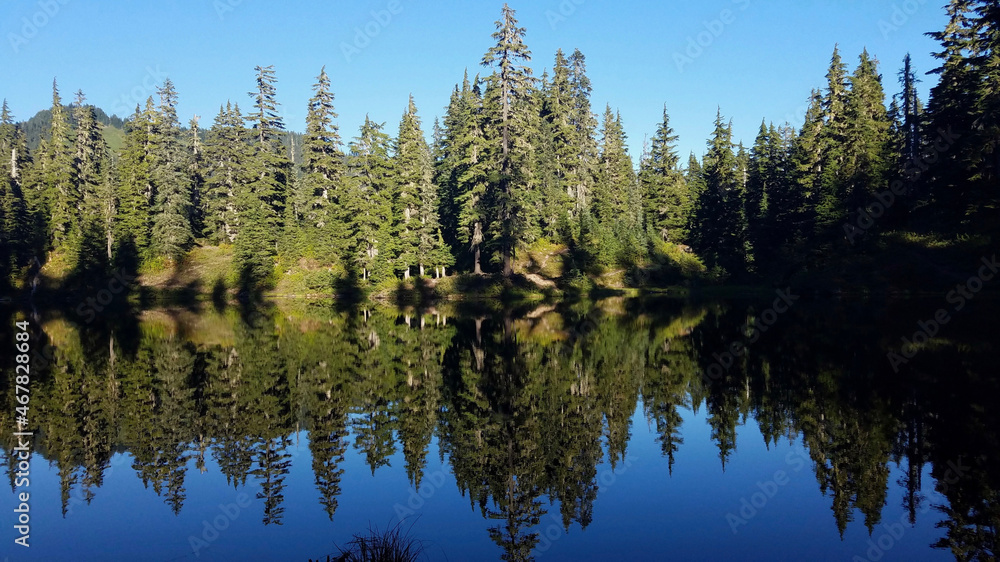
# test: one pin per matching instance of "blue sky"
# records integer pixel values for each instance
(752, 58)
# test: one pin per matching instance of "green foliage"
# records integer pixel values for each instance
(371, 189)
(169, 171)
(507, 121)
(720, 219)
(514, 162)
(667, 200)
(317, 219)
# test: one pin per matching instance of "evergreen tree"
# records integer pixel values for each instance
(558, 152)
(806, 167)
(317, 204)
(833, 139)
(449, 156)
(758, 187)
(90, 170)
(912, 111)
(15, 227)
(196, 173)
(57, 184)
(867, 148)
(261, 202)
(464, 172)
(89, 149)
(412, 163)
(417, 201)
(370, 193)
(666, 198)
(226, 150)
(721, 238)
(617, 205)
(506, 104)
(956, 110)
(169, 170)
(135, 188)
(581, 173)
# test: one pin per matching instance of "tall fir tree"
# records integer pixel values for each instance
(806, 166)
(667, 201)
(134, 186)
(370, 193)
(56, 181)
(833, 139)
(558, 150)
(721, 222)
(581, 173)
(196, 172)
(169, 170)
(411, 161)
(616, 232)
(507, 110)
(15, 225)
(261, 202)
(318, 201)
(416, 204)
(90, 170)
(226, 149)
(867, 150)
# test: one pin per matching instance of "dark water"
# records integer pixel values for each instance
(592, 431)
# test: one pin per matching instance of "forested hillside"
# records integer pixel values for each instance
(518, 163)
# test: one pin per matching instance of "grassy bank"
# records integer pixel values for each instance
(892, 263)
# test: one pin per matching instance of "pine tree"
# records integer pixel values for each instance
(449, 155)
(618, 236)
(806, 168)
(665, 194)
(771, 201)
(15, 228)
(559, 155)
(912, 111)
(758, 186)
(867, 148)
(96, 206)
(55, 163)
(317, 205)
(833, 139)
(196, 173)
(226, 151)
(581, 174)
(89, 149)
(134, 184)
(987, 149)
(722, 224)
(261, 202)
(508, 92)
(172, 232)
(782, 216)
(412, 163)
(464, 172)
(962, 108)
(416, 205)
(370, 192)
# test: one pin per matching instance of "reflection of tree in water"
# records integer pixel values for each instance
(373, 422)
(272, 467)
(522, 403)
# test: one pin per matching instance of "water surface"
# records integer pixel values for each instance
(617, 429)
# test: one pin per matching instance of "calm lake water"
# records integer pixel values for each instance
(610, 430)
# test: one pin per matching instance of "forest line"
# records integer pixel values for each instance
(516, 161)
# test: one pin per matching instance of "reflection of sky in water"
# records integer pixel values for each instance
(820, 370)
(640, 513)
